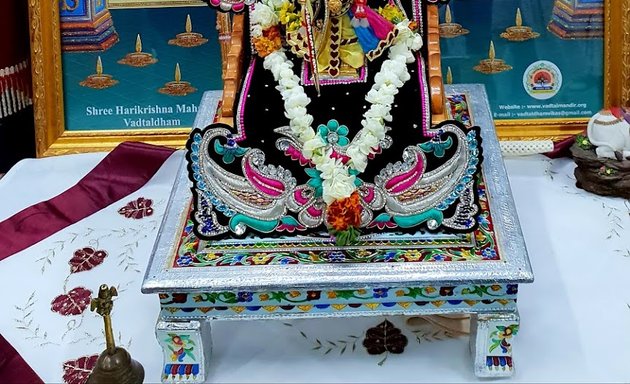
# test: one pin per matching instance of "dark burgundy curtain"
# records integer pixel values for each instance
(17, 134)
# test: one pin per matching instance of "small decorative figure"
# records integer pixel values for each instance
(177, 87)
(350, 33)
(138, 58)
(603, 156)
(610, 133)
(189, 38)
(449, 29)
(492, 65)
(114, 365)
(519, 32)
(99, 80)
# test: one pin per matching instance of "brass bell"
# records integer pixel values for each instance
(114, 365)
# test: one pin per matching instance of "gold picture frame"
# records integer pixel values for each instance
(616, 82)
(51, 136)
(53, 139)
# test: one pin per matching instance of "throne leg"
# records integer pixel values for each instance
(186, 347)
(491, 339)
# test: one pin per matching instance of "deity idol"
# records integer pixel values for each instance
(332, 129)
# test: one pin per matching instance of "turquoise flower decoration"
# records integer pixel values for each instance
(229, 151)
(437, 145)
(315, 181)
(333, 133)
(357, 181)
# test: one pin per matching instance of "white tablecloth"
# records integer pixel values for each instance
(575, 318)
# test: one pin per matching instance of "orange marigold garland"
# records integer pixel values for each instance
(344, 218)
(269, 42)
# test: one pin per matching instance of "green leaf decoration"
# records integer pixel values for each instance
(347, 237)
(414, 292)
(229, 298)
(278, 296)
(583, 142)
(345, 294)
(211, 297)
(341, 238)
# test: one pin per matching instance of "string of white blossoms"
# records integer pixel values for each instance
(337, 182)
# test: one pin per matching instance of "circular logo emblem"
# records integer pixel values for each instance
(542, 80)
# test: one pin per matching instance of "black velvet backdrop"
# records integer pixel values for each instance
(264, 112)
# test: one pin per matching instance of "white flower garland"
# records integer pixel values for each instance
(337, 182)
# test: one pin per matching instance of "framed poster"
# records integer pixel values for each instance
(542, 61)
(110, 71)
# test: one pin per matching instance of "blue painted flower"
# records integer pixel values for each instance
(456, 98)
(285, 260)
(438, 257)
(208, 226)
(380, 292)
(229, 151)
(481, 192)
(512, 289)
(483, 220)
(333, 133)
(244, 297)
(184, 260)
(389, 256)
(336, 257)
(488, 253)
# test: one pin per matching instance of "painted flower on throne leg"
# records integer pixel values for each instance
(501, 337)
(180, 346)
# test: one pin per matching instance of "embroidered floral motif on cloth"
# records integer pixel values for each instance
(332, 134)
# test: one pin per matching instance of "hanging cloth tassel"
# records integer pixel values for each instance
(15, 89)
